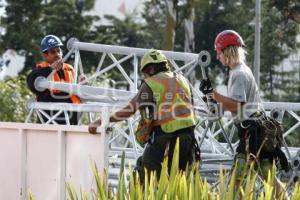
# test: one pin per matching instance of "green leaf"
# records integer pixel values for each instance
(71, 191)
(164, 180)
(121, 186)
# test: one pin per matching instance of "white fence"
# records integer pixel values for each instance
(42, 158)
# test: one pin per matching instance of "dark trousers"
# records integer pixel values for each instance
(153, 155)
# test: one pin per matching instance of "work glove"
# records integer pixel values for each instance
(205, 86)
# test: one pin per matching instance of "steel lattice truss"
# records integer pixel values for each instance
(216, 137)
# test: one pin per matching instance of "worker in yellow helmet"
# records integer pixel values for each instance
(164, 100)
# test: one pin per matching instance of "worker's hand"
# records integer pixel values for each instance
(205, 86)
(57, 65)
(93, 126)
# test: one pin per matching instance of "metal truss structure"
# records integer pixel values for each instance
(217, 136)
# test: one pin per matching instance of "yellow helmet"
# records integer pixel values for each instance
(152, 56)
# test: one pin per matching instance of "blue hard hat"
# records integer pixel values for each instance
(50, 41)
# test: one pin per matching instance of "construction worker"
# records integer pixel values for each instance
(244, 102)
(165, 104)
(52, 54)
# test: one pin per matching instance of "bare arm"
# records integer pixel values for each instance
(128, 110)
(124, 113)
(119, 115)
(227, 103)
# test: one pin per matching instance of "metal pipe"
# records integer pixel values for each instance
(225, 136)
(91, 107)
(130, 50)
(85, 91)
(257, 41)
(76, 62)
(135, 72)
(281, 106)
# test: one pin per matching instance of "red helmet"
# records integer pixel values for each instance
(228, 38)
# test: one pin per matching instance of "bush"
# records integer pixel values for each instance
(14, 95)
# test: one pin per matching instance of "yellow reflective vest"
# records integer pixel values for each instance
(174, 109)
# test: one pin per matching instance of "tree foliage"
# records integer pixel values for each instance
(278, 41)
(18, 36)
(13, 101)
(290, 9)
(26, 24)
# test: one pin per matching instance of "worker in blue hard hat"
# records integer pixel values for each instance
(52, 54)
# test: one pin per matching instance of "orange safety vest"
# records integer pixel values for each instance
(68, 78)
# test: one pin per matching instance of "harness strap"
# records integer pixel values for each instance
(247, 138)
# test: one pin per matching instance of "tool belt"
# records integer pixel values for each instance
(261, 138)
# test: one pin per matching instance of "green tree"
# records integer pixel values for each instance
(154, 15)
(278, 41)
(211, 17)
(290, 9)
(27, 23)
(158, 22)
(171, 23)
(22, 27)
(128, 32)
(64, 18)
(275, 45)
(214, 16)
(14, 96)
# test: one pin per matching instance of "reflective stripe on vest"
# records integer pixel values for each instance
(68, 78)
(173, 100)
(170, 116)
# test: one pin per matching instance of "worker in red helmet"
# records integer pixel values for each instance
(245, 104)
